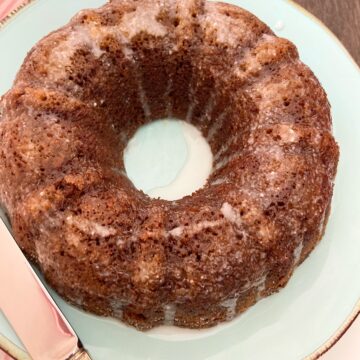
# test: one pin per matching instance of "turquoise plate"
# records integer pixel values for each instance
(323, 292)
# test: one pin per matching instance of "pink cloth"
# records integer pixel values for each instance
(348, 348)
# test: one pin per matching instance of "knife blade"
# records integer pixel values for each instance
(31, 311)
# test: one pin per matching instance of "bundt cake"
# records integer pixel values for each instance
(108, 248)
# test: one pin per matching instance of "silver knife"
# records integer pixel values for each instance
(31, 311)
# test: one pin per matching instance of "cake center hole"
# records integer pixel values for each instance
(168, 159)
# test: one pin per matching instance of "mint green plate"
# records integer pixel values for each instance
(324, 290)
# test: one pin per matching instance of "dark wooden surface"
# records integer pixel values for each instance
(342, 17)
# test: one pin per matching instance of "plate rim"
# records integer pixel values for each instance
(348, 322)
(4, 21)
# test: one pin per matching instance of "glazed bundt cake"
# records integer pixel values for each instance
(108, 248)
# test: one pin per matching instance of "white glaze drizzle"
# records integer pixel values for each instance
(143, 19)
(219, 181)
(91, 35)
(231, 303)
(251, 62)
(169, 314)
(90, 227)
(194, 228)
(142, 95)
(274, 151)
(117, 308)
(322, 223)
(228, 30)
(260, 288)
(269, 91)
(230, 306)
(225, 161)
(191, 93)
(287, 133)
(60, 57)
(224, 148)
(169, 105)
(190, 110)
(119, 171)
(231, 214)
(297, 253)
(209, 107)
(177, 231)
(216, 126)
(128, 52)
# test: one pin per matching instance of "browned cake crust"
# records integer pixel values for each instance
(107, 247)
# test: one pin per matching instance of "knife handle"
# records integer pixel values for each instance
(81, 354)
(9, 351)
